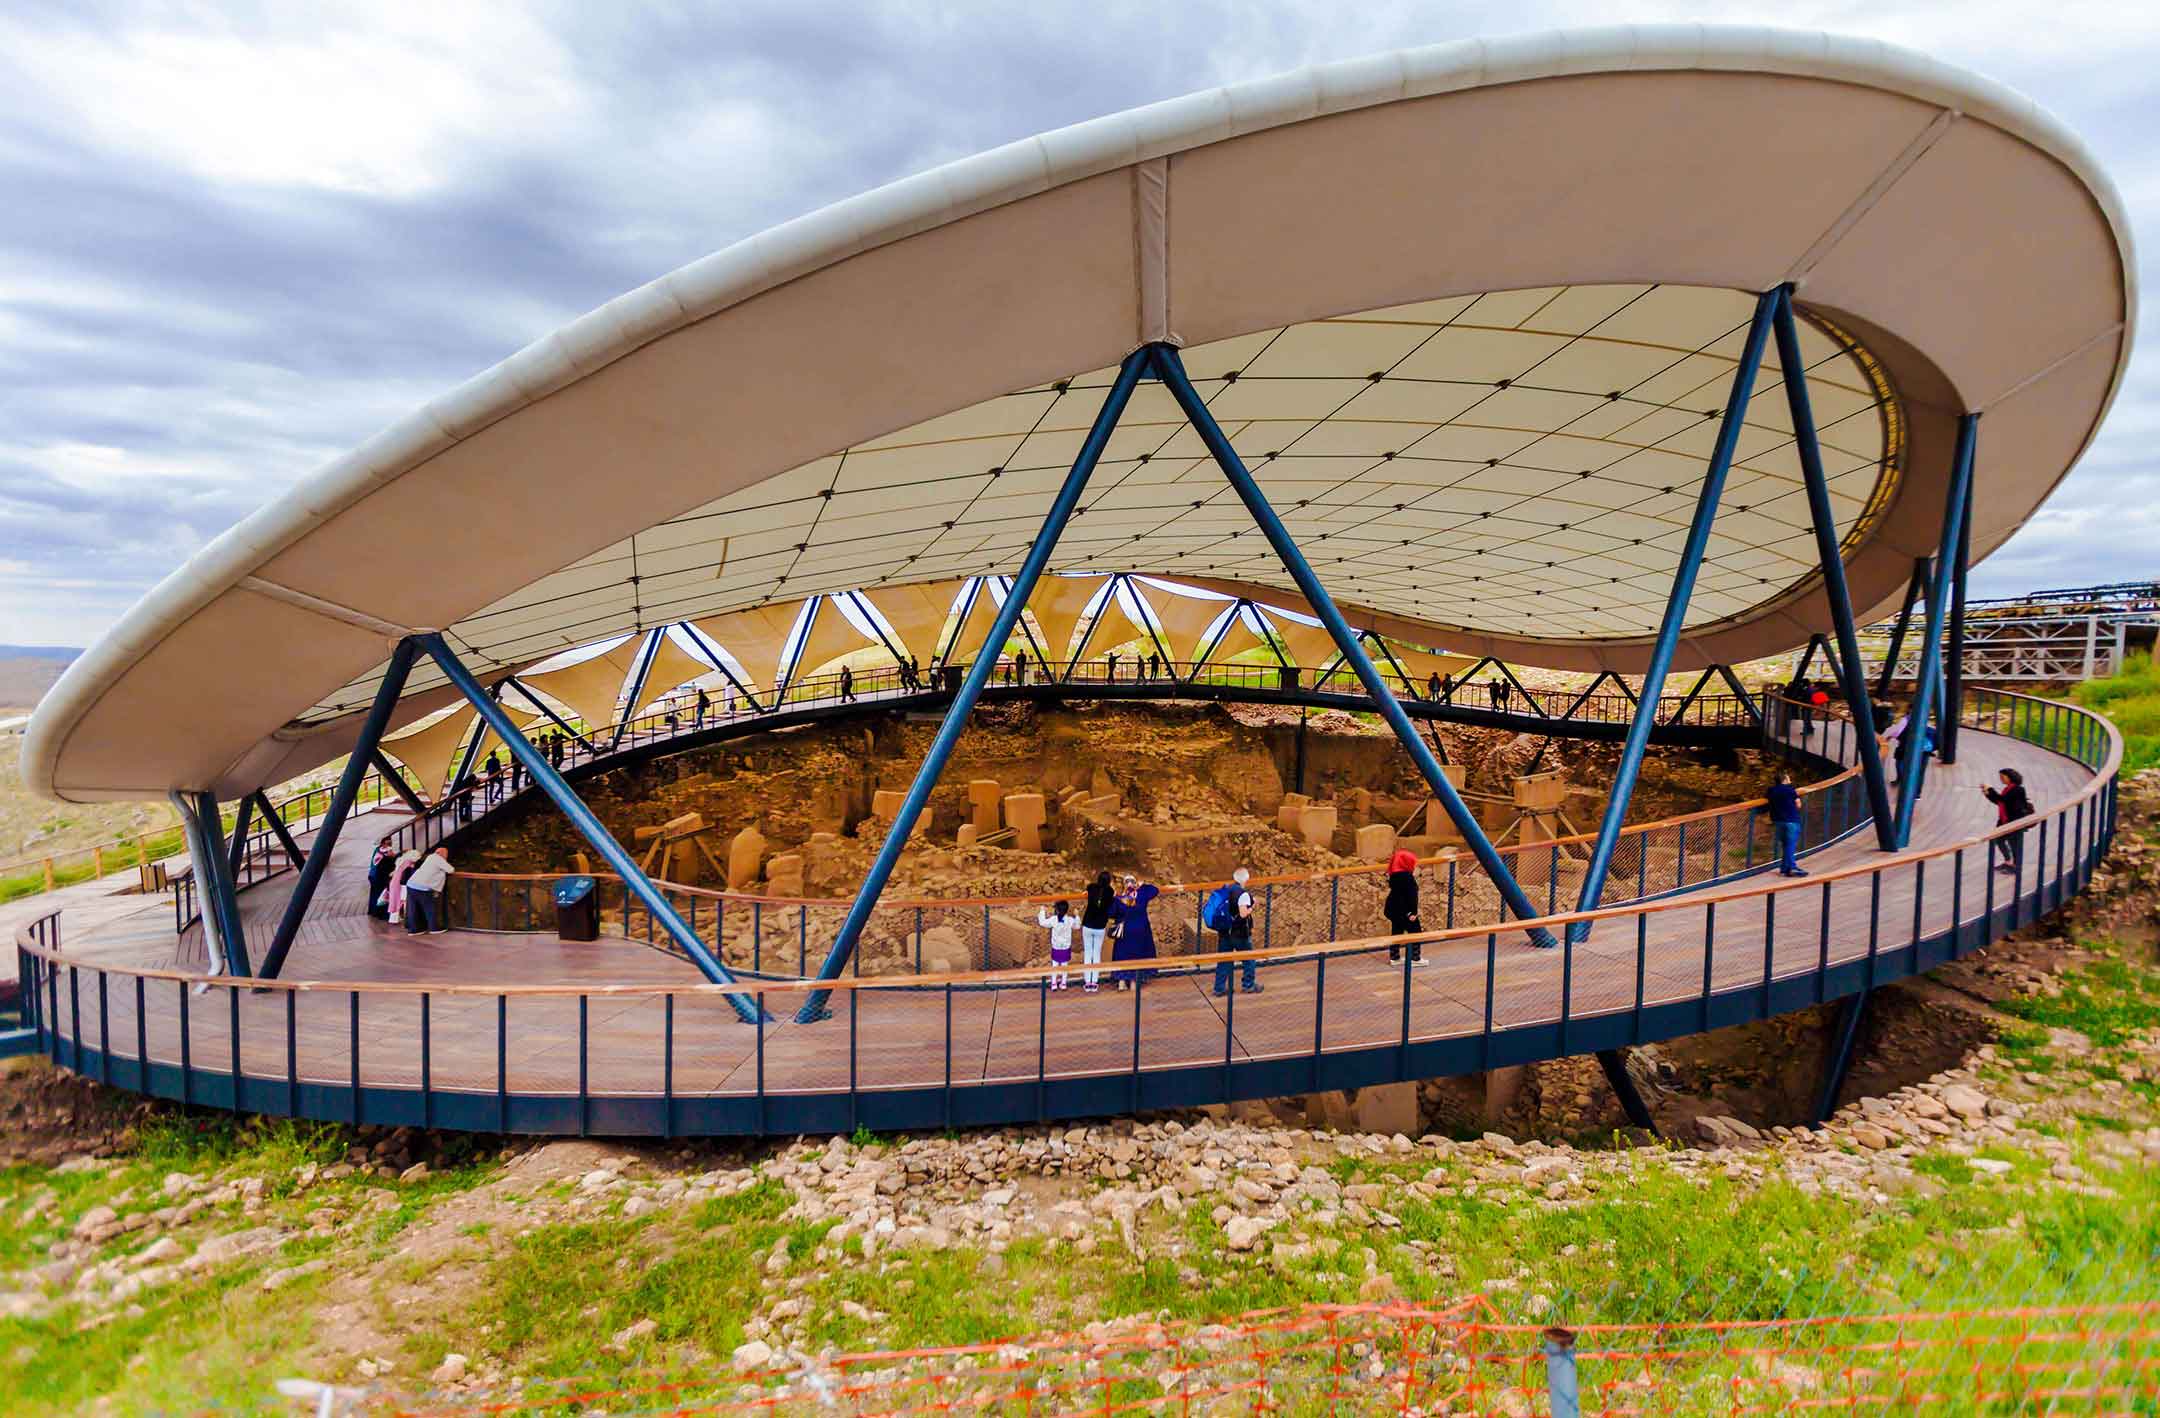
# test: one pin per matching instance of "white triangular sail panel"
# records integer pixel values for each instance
(592, 688)
(1185, 620)
(831, 636)
(1487, 432)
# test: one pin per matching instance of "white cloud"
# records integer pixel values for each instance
(237, 243)
(381, 99)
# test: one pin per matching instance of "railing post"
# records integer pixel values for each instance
(1769, 948)
(502, 1063)
(1492, 970)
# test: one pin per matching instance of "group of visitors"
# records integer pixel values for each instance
(1116, 915)
(1150, 668)
(407, 887)
(2012, 803)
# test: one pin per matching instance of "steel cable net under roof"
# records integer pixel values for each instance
(1518, 462)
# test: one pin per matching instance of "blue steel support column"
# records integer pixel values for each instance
(1852, 674)
(588, 826)
(1171, 370)
(948, 734)
(1954, 671)
(364, 749)
(1938, 605)
(1676, 607)
(218, 893)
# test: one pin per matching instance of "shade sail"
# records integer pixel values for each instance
(1468, 311)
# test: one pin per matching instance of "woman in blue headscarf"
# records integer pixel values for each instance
(1135, 935)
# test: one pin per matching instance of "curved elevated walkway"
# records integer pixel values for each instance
(620, 1038)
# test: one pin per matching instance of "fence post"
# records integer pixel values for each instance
(1561, 1387)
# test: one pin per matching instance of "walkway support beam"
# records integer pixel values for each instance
(1676, 609)
(278, 829)
(1954, 670)
(712, 653)
(1839, 1063)
(1931, 648)
(588, 826)
(1901, 625)
(396, 779)
(1614, 1062)
(1171, 370)
(639, 669)
(214, 880)
(526, 694)
(1852, 674)
(347, 792)
(978, 675)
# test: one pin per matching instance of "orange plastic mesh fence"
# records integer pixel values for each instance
(1460, 1357)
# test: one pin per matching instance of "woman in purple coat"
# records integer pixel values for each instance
(1135, 935)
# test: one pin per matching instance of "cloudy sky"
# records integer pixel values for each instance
(235, 240)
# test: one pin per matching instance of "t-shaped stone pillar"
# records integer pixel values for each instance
(1025, 813)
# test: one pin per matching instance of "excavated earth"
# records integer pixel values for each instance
(1196, 788)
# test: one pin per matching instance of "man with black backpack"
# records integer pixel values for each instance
(1228, 912)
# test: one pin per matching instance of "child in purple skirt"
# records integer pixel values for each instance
(1061, 922)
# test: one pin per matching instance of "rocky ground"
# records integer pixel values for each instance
(1999, 1141)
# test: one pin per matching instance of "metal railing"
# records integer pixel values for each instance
(778, 937)
(980, 1046)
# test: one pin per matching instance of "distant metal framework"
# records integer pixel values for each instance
(2043, 637)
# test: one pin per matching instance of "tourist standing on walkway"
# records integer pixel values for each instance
(1059, 921)
(1785, 823)
(1094, 925)
(1020, 667)
(1110, 660)
(847, 685)
(1228, 912)
(380, 869)
(425, 887)
(493, 773)
(1154, 664)
(2012, 802)
(704, 704)
(394, 898)
(1401, 909)
(1134, 933)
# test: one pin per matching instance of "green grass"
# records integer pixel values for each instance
(2130, 697)
(2108, 1001)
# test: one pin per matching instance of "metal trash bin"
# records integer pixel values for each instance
(577, 908)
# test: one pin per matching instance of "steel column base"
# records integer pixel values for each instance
(1847, 1032)
(1614, 1062)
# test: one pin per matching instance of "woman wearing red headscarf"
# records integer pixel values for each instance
(1401, 908)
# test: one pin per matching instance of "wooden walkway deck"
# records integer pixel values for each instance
(454, 1014)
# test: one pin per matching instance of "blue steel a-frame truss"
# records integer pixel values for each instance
(1773, 317)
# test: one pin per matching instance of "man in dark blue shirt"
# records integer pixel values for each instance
(1785, 823)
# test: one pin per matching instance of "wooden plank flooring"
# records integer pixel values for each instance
(996, 1034)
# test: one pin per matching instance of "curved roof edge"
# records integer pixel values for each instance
(1005, 174)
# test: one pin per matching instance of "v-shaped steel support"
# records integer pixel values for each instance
(1676, 608)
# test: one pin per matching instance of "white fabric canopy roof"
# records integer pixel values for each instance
(1508, 233)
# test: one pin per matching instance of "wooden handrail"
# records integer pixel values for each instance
(706, 893)
(2110, 765)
